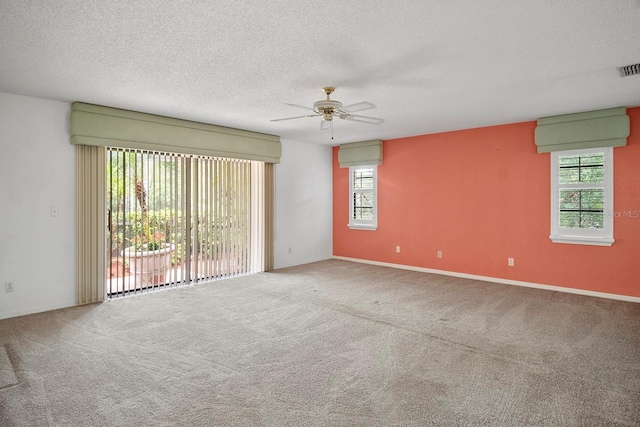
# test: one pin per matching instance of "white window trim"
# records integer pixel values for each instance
(603, 237)
(355, 224)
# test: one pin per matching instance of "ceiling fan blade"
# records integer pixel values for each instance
(359, 106)
(297, 117)
(362, 119)
(324, 124)
(300, 106)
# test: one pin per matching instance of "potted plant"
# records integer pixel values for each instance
(150, 255)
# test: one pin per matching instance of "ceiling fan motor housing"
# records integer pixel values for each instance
(327, 107)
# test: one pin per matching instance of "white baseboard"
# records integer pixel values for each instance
(496, 280)
(292, 263)
(34, 311)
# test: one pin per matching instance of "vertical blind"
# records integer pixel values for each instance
(268, 185)
(90, 220)
(176, 219)
(222, 196)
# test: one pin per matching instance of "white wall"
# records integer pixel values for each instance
(37, 171)
(303, 204)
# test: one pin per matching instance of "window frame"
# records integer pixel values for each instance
(599, 237)
(361, 224)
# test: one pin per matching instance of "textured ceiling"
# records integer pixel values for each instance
(429, 66)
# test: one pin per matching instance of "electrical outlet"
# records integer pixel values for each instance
(54, 211)
(8, 287)
(290, 250)
(397, 249)
(510, 262)
(439, 254)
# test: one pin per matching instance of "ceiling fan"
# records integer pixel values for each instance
(330, 108)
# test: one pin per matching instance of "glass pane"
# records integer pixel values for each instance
(592, 220)
(592, 174)
(363, 206)
(582, 199)
(581, 168)
(582, 159)
(569, 160)
(582, 209)
(569, 175)
(592, 159)
(363, 200)
(363, 214)
(584, 220)
(569, 200)
(570, 219)
(363, 179)
(592, 199)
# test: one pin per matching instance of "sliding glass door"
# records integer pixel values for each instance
(175, 219)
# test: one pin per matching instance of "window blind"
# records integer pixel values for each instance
(90, 252)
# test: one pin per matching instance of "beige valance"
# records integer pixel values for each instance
(593, 129)
(363, 153)
(96, 125)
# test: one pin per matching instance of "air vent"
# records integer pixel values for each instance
(630, 70)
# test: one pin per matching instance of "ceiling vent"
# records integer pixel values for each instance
(630, 70)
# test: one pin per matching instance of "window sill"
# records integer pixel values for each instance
(363, 227)
(580, 240)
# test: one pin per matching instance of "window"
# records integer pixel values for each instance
(190, 183)
(582, 196)
(363, 188)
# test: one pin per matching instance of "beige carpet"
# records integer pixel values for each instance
(328, 344)
(7, 375)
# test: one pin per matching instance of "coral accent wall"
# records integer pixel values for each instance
(482, 196)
